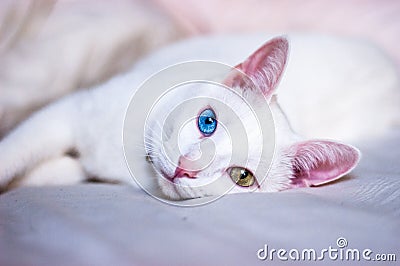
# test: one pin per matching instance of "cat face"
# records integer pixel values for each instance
(191, 143)
(203, 139)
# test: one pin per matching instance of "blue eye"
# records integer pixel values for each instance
(207, 122)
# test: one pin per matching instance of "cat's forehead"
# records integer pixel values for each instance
(192, 98)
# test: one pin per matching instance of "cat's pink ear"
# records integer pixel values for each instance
(264, 67)
(317, 162)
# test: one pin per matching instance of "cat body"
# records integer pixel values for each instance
(329, 89)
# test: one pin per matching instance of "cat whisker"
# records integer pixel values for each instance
(150, 140)
(154, 131)
(156, 136)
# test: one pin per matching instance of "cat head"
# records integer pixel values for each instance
(191, 150)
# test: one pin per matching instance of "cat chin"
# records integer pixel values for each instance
(174, 192)
(185, 189)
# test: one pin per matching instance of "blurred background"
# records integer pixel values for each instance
(50, 48)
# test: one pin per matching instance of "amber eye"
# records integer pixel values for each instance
(241, 176)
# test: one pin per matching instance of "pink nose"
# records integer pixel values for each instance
(183, 169)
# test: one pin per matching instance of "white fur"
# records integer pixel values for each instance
(58, 171)
(355, 79)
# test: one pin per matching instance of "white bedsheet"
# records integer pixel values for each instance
(119, 225)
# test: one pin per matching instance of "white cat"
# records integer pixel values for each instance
(333, 88)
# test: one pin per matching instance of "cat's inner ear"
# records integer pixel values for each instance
(264, 68)
(317, 162)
